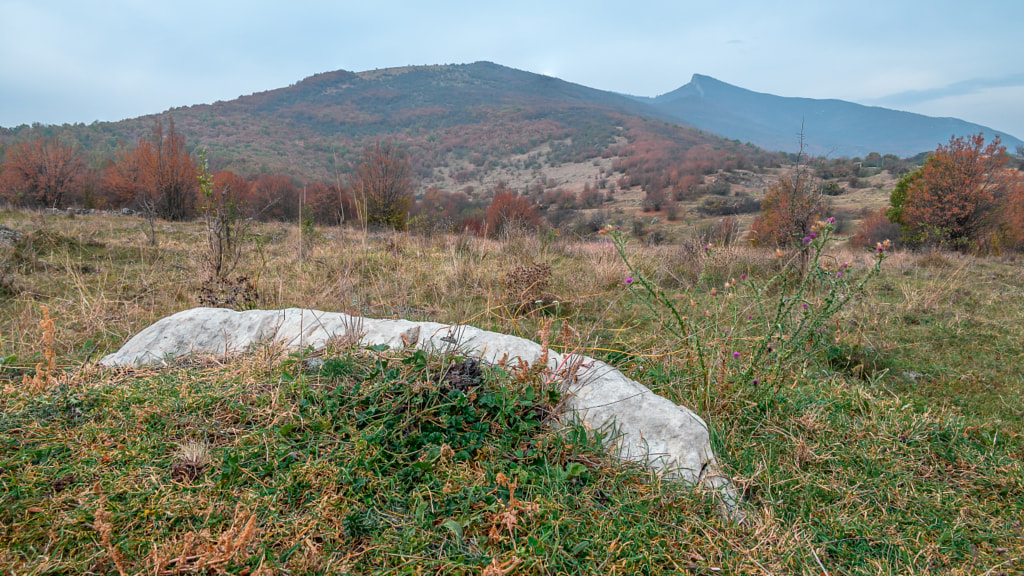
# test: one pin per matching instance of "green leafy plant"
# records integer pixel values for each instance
(751, 331)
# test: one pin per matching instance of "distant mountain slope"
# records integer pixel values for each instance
(833, 127)
(481, 110)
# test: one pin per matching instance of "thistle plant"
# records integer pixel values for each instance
(750, 331)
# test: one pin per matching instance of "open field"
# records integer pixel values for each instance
(892, 447)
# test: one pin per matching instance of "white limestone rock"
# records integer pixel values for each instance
(647, 428)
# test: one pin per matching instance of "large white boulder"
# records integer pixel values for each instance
(646, 427)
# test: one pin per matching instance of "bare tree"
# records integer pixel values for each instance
(383, 186)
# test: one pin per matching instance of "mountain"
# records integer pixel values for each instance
(830, 127)
(461, 122)
(483, 112)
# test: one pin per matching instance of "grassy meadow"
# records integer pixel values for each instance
(889, 442)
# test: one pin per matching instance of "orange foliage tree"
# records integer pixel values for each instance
(876, 227)
(444, 211)
(330, 205)
(509, 211)
(159, 175)
(950, 202)
(273, 197)
(1010, 228)
(44, 172)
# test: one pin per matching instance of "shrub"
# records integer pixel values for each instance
(728, 206)
(226, 232)
(510, 211)
(720, 187)
(789, 211)
(831, 188)
(591, 197)
(875, 228)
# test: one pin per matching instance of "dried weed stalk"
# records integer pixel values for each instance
(510, 517)
(105, 528)
(199, 553)
(43, 377)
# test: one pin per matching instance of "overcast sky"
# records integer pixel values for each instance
(82, 60)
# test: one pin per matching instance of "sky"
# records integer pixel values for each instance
(83, 61)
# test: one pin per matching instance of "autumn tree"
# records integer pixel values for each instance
(44, 172)
(1007, 229)
(382, 184)
(950, 199)
(789, 211)
(876, 227)
(330, 205)
(273, 197)
(440, 211)
(510, 211)
(159, 175)
(591, 197)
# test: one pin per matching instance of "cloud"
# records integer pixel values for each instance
(963, 88)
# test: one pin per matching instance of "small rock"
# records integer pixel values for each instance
(8, 236)
(312, 365)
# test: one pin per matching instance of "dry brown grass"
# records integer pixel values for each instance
(929, 385)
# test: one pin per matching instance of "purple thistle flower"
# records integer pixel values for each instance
(839, 274)
(736, 355)
(805, 306)
(629, 280)
(830, 220)
(755, 381)
(807, 239)
(743, 276)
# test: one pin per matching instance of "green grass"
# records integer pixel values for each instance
(376, 462)
(895, 449)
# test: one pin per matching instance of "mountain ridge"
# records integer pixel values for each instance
(485, 114)
(830, 126)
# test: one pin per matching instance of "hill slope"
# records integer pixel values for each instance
(484, 122)
(481, 112)
(833, 127)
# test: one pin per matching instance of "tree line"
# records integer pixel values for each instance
(967, 195)
(161, 178)
(158, 177)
